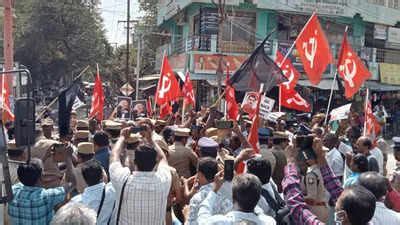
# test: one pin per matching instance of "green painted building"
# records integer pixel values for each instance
(198, 42)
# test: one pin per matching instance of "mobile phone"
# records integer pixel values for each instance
(223, 124)
(135, 130)
(228, 169)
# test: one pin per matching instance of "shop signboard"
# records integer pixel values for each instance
(393, 35)
(380, 32)
(208, 64)
(390, 73)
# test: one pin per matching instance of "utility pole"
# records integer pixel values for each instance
(128, 18)
(8, 42)
(139, 40)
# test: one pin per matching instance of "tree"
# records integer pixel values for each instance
(55, 39)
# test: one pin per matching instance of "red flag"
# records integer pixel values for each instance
(168, 87)
(253, 135)
(149, 109)
(288, 70)
(188, 92)
(372, 127)
(165, 110)
(291, 99)
(96, 111)
(313, 48)
(232, 107)
(351, 69)
(8, 115)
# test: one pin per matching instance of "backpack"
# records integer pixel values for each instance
(282, 212)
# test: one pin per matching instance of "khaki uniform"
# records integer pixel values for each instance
(223, 155)
(52, 175)
(315, 194)
(267, 154)
(80, 181)
(182, 159)
(278, 173)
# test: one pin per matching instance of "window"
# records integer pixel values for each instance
(377, 2)
(240, 27)
(393, 4)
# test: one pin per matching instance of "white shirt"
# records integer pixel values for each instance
(344, 148)
(224, 206)
(91, 197)
(262, 203)
(376, 152)
(385, 216)
(144, 200)
(208, 217)
(335, 161)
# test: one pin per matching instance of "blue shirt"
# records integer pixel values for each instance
(351, 180)
(34, 205)
(91, 197)
(103, 156)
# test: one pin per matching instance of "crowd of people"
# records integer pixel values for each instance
(192, 170)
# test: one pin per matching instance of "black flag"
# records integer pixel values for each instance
(66, 100)
(257, 69)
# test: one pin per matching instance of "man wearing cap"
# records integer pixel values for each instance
(181, 158)
(47, 128)
(264, 136)
(207, 147)
(82, 125)
(85, 153)
(52, 175)
(113, 129)
(280, 141)
(81, 136)
(14, 154)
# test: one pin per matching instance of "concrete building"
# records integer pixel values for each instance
(197, 39)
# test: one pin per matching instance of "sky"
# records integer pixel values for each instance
(112, 11)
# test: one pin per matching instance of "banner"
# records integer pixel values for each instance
(340, 113)
(266, 106)
(249, 104)
(390, 73)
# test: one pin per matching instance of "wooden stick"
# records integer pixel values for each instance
(56, 98)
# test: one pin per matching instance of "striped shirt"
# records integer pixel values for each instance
(144, 200)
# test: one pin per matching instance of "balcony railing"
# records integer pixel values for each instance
(209, 43)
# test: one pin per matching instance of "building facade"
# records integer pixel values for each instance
(198, 42)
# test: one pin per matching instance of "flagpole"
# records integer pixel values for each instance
(56, 98)
(2, 96)
(294, 43)
(365, 112)
(330, 97)
(279, 98)
(183, 111)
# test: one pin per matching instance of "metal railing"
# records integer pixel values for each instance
(209, 43)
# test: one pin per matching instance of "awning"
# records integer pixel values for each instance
(150, 77)
(325, 84)
(380, 87)
(148, 87)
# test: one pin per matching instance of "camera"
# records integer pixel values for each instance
(305, 144)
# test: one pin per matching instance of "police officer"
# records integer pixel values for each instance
(182, 158)
(315, 194)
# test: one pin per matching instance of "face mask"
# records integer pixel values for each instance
(339, 217)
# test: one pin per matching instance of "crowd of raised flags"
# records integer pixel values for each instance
(145, 169)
